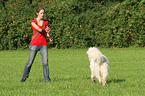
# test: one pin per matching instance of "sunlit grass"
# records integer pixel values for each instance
(70, 74)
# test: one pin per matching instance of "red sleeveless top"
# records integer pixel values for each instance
(40, 38)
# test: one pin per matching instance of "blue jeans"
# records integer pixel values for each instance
(44, 53)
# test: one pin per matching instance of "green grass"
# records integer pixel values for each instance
(70, 74)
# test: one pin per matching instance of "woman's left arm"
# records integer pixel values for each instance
(49, 37)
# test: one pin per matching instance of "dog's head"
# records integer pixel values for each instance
(93, 53)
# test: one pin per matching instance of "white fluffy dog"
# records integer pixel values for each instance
(99, 65)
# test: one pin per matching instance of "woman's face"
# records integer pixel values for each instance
(40, 14)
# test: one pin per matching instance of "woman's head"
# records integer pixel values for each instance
(40, 12)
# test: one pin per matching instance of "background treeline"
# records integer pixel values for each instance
(75, 23)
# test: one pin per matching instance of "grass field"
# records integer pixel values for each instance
(70, 74)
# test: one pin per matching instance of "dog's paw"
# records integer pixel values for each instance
(104, 82)
(93, 80)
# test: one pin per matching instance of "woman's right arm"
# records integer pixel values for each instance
(38, 29)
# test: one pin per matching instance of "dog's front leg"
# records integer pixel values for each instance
(93, 79)
(92, 72)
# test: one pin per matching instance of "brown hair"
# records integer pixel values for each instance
(38, 9)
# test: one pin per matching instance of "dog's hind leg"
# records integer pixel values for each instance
(98, 75)
(104, 72)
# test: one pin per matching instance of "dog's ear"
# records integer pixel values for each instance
(87, 52)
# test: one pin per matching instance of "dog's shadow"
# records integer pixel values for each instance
(116, 81)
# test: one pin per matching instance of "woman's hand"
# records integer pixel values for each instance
(50, 39)
(47, 29)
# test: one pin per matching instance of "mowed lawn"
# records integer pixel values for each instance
(70, 73)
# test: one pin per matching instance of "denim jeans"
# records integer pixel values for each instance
(44, 54)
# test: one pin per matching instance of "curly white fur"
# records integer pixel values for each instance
(99, 65)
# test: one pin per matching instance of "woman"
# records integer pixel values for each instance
(38, 43)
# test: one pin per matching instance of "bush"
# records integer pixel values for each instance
(75, 23)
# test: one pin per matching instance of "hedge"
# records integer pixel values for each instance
(75, 23)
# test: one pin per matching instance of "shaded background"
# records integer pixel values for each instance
(75, 23)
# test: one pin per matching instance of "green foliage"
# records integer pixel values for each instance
(15, 24)
(75, 23)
